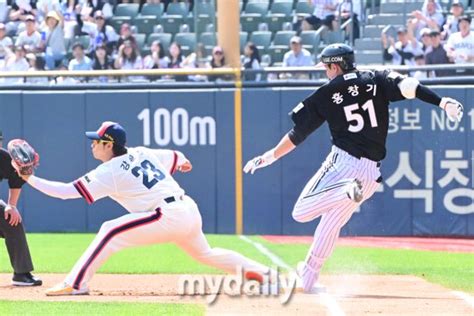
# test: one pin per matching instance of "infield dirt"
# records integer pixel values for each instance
(353, 294)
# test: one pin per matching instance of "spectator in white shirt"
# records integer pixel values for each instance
(4, 9)
(324, 14)
(419, 74)
(297, 56)
(345, 7)
(30, 37)
(19, 12)
(423, 47)
(37, 63)
(157, 58)
(252, 61)
(99, 32)
(128, 58)
(54, 43)
(5, 41)
(431, 16)
(402, 52)
(460, 45)
(16, 62)
(46, 6)
(80, 60)
(452, 21)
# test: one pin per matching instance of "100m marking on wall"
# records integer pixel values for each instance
(177, 127)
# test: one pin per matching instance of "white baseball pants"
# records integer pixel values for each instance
(178, 222)
(325, 195)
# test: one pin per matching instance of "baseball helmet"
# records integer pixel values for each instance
(340, 54)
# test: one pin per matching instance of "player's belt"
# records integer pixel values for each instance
(172, 199)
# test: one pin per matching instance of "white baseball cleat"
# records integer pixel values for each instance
(299, 288)
(65, 289)
(354, 191)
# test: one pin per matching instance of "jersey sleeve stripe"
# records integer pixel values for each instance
(89, 196)
(83, 192)
(175, 161)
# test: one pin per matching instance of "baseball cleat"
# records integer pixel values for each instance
(65, 289)
(266, 287)
(254, 276)
(317, 288)
(354, 191)
(25, 279)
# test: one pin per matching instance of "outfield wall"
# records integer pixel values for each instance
(428, 174)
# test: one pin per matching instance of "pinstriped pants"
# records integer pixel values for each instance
(325, 195)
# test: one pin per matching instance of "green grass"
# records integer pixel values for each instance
(57, 253)
(452, 270)
(94, 308)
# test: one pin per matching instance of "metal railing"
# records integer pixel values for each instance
(235, 73)
(122, 73)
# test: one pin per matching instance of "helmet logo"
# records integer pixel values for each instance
(333, 59)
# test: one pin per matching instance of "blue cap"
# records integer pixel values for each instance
(110, 132)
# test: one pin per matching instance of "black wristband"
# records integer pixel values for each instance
(426, 94)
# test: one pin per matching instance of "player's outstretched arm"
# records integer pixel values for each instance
(306, 119)
(284, 147)
(25, 160)
(411, 88)
(54, 189)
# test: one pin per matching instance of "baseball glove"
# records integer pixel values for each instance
(24, 157)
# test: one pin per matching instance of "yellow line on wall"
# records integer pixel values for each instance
(238, 154)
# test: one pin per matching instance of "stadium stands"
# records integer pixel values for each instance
(269, 24)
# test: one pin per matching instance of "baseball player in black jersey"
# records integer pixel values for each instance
(11, 227)
(355, 105)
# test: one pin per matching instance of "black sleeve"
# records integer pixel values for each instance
(389, 81)
(80, 23)
(426, 94)
(307, 118)
(405, 55)
(386, 55)
(7, 171)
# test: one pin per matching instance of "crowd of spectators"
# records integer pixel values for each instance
(75, 35)
(36, 35)
(430, 38)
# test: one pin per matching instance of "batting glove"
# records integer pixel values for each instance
(453, 109)
(260, 162)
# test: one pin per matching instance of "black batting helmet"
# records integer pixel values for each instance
(340, 54)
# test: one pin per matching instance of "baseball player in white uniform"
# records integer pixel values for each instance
(140, 179)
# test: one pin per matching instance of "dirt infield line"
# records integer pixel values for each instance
(328, 301)
(356, 294)
(416, 243)
(466, 297)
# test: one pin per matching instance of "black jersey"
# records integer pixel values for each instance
(355, 105)
(7, 171)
